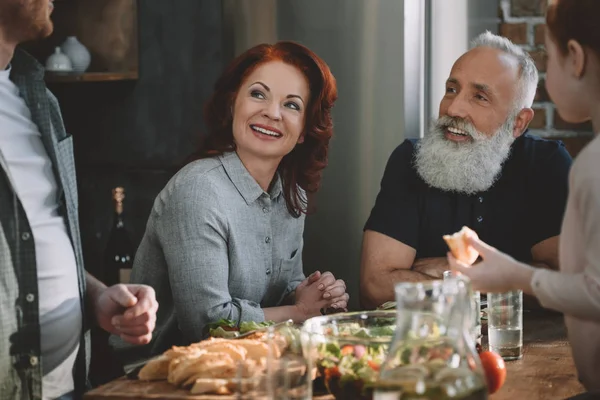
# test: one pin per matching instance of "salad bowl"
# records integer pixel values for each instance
(348, 350)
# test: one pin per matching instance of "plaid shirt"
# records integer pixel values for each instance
(20, 349)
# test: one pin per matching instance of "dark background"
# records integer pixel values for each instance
(136, 134)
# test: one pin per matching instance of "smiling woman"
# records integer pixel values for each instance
(224, 238)
(295, 69)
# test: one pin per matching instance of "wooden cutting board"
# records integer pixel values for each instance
(129, 389)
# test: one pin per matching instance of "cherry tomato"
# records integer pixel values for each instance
(331, 373)
(374, 366)
(495, 370)
(347, 349)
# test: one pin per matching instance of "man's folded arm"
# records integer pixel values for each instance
(384, 262)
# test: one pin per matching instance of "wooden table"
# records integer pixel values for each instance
(546, 371)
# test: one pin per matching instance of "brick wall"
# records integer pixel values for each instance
(523, 22)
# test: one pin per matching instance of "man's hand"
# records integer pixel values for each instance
(128, 311)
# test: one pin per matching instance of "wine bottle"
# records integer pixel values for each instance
(118, 256)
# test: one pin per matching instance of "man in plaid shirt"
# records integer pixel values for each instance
(47, 300)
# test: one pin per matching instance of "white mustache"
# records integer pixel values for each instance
(446, 121)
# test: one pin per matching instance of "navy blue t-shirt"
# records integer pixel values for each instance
(524, 207)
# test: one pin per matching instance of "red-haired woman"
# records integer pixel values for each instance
(573, 83)
(224, 238)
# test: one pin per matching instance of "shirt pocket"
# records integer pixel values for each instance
(286, 271)
(288, 264)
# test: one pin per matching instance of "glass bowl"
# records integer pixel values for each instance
(347, 350)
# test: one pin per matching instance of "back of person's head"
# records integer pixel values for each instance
(528, 74)
(303, 166)
(574, 20)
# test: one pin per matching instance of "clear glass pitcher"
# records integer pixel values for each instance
(433, 353)
(476, 306)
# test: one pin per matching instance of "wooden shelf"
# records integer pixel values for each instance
(90, 76)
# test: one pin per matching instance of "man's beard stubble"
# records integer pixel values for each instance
(467, 167)
(25, 20)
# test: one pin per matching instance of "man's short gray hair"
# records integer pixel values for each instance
(528, 78)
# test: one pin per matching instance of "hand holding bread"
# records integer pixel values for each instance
(460, 247)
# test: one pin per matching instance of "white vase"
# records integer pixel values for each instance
(58, 62)
(78, 54)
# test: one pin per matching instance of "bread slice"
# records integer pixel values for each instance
(155, 370)
(258, 350)
(236, 352)
(460, 248)
(158, 368)
(208, 365)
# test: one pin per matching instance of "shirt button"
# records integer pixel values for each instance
(265, 210)
(33, 361)
(30, 298)
(25, 236)
(480, 219)
(267, 240)
(268, 272)
(480, 199)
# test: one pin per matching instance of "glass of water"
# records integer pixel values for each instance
(505, 324)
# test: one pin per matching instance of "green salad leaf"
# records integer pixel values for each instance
(226, 328)
(248, 326)
(222, 333)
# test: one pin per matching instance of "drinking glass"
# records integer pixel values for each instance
(505, 324)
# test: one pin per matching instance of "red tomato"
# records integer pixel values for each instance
(495, 370)
(347, 349)
(373, 365)
(331, 373)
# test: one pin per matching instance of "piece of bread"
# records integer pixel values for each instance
(158, 368)
(236, 352)
(155, 369)
(460, 248)
(182, 351)
(209, 342)
(205, 385)
(208, 365)
(258, 349)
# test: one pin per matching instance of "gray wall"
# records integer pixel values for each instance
(363, 44)
(136, 134)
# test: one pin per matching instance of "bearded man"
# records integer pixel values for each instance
(476, 167)
(47, 300)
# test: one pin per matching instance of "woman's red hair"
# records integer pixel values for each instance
(303, 166)
(574, 20)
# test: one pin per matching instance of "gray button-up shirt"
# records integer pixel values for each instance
(217, 246)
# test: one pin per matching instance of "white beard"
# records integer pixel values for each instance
(467, 167)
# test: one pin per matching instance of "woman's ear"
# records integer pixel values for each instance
(576, 58)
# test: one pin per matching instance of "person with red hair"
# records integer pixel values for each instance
(224, 238)
(573, 83)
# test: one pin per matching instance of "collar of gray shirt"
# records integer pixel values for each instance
(244, 182)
